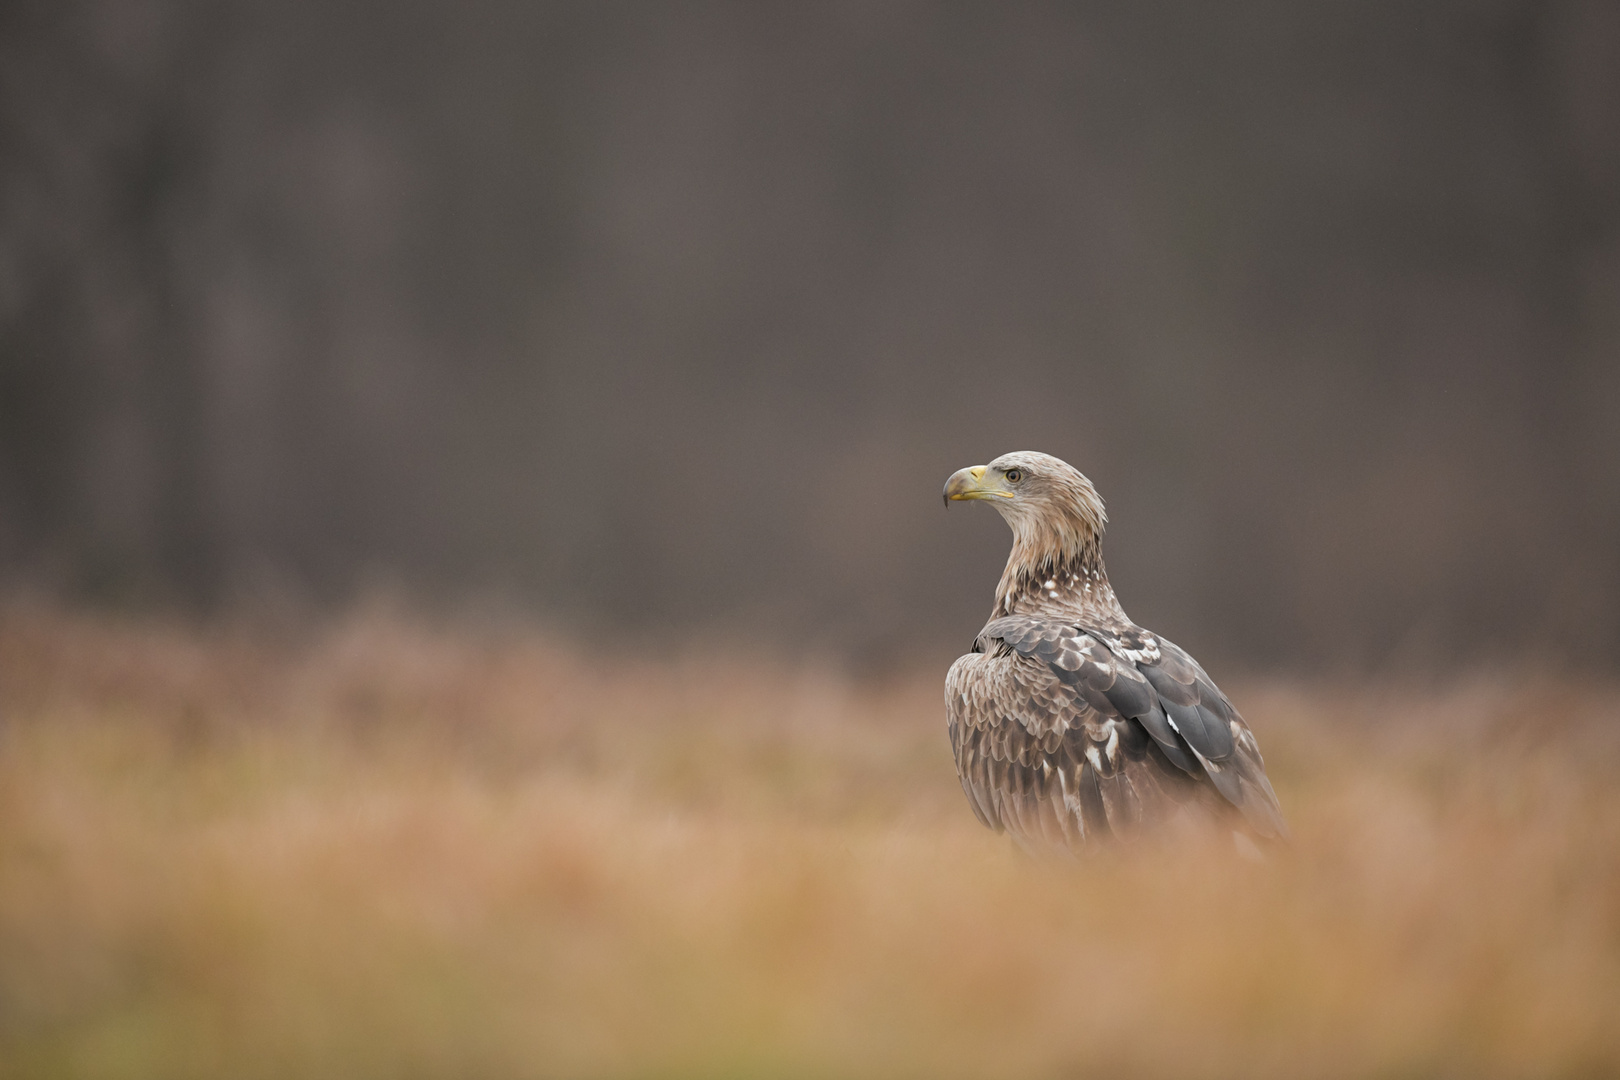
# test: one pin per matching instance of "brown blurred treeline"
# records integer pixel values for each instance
(676, 317)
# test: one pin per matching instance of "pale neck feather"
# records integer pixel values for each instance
(1056, 569)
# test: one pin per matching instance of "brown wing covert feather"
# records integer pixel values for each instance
(1038, 759)
(1074, 736)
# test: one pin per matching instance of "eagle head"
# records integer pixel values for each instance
(1050, 505)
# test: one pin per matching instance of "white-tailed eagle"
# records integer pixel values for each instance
(1072, 725)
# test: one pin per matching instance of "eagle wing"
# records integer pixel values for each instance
(1071, 735)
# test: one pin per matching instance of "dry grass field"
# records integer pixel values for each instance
(384, 847)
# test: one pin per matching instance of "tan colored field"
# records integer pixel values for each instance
(379, 848)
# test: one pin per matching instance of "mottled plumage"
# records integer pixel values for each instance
(1071, 725)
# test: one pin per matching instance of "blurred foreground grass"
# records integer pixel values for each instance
(378, 848)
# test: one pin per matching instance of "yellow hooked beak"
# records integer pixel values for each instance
(977, 482)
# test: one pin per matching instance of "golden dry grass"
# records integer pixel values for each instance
(380, 848)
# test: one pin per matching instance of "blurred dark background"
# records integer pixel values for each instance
(673, 319)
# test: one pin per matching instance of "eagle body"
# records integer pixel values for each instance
(1071, 725)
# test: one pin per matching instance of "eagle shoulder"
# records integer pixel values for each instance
(1038, 757)
(1068, 733)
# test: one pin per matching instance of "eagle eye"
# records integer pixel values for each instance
(1015, 475)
